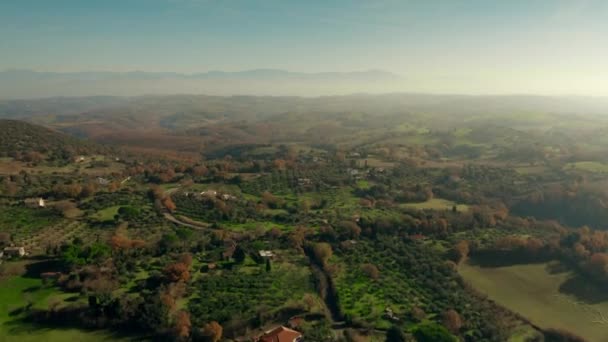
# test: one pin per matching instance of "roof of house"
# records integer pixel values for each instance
(264, 253)
(280, 334)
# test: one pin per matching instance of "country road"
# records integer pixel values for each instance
(169, 217)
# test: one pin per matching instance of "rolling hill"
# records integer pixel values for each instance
(29, 142)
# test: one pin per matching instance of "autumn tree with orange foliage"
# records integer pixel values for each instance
(169, 204)
(182, 325)
(212, 331)
(177, 272)
(186, 259)
(460, 251)
(200, 171)
(451, 320)
(121, 242)
(279, 164)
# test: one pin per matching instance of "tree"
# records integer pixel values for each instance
(279, 164)
(322, 252)
(268, 265)
(304, 206)
(185, 235)
(153, 313)
(10, 188)
(128, 212)
(418, 314)
(212, 331)
(460, 251)
(5, 239)
(395, 334)
(271, 200)
(176, 272)
(371, 271)
(182, 325)
(433, 332)
(88, 190)
(239, 254)
(200, 171)
(349, 230)
(451, 320)
(169, 204)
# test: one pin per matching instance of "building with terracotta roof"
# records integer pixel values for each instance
(280, 334)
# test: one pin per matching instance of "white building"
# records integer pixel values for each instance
(14, 251)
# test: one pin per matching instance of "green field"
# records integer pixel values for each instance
(437, 204)
(106, 214)
(534, 292)
(15, 293)
(589, 166)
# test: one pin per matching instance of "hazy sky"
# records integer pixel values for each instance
(472, 46)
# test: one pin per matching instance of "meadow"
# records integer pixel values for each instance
(589, 166)
(15, 293)
(437, 204)
(533, 291)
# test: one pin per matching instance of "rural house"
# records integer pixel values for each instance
(280, 334)
(35, 202)
(209, 193)
(304, 181)
(266, 254)
(103, 181)
(14, 251)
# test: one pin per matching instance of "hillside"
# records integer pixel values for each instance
(32, 143)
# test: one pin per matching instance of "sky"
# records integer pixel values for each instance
(457, 46)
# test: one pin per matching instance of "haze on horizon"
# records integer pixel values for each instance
(467, 47)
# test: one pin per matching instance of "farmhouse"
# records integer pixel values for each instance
(35, 202)
(267, 254)
(209, 193)
(228, 197)
(352, 172)
(14, 251)
(304, 181)
(280, 334)
(103, 181)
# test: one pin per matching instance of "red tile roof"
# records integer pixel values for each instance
(280, 334)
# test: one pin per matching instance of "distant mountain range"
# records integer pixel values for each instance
(33, 84)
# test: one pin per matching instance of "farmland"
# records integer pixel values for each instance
(336, 223)
(534, 292)
(437, 204)
(18, 291)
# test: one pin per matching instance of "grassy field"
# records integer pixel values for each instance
(437, 204)
(589, 166)
(106, 214)
(531, 169)
(534, 292)
(15, 292)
